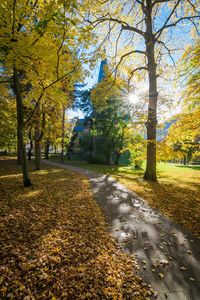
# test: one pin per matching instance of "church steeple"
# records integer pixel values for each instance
(102, 73)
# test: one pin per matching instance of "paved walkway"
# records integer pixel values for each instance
(168, 255)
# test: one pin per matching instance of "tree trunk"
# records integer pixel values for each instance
(47, 144)
(108, 158)
(68, 155)
(20, 130)
(94, 145)
(30, 150)
(117, 158)
(37, 155)
(90, 147)
(37, 139)
(19, 155)
(30, 146)
(150, 173)
(63, 136)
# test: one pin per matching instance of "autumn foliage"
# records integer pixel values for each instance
(54, 242)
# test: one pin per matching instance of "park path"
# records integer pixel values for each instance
(167, 254)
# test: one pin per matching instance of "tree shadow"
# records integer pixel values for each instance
(162, 247)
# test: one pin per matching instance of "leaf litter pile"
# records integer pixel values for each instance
(54, 242)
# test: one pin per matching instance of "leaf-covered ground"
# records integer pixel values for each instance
(54, 243)
(176, 194)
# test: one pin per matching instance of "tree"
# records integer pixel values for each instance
(107, 116)
(136, 146)
(8, 133)
(127, 20)
(184, 136)
(39, 49)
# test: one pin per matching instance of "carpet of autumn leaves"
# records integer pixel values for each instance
(54, 243)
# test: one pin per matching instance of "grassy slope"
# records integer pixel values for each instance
(177, 193)
(54, 243)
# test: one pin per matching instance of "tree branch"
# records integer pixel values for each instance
(38, 38)
(175, 23)
(142, 4)
(159, 32)
(138, 69)
(116, 44)
(168, 51)
(6, 81)
(161, 1)
(13, 22)
(43, 90)
(127, 54)
(193, 6)
(59, 79)
(122, 58)
(125, 26)
(135, 70)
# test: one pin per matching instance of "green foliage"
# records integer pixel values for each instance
(136, 147)
(109, 128)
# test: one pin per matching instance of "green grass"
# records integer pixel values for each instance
(164, 170)
(176, 194)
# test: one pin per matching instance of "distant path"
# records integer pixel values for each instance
(168, 255)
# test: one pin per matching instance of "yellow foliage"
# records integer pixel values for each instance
(55, 244)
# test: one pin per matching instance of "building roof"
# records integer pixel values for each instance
(102, 73)
(80, 125)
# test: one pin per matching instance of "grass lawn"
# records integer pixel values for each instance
(54, 242)
(176, 194)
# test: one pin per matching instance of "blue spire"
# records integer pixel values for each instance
(102, 73)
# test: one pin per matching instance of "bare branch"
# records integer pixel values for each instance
(127, 54)
(125, 26)
(116, 44)
(37, 39)
(13, 22)
(175, 23)
(122, 58)
(6, 81)
(103, 2)
(34, 109)
(168, 51)
(62, 77)
(159, 32)
(138, 69)
(134, 29)
(133, 72)
(45, 88)
(193, 6)
(195, 26)
(142, 4)
(161, 1)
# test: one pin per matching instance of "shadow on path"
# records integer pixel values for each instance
(168, 255)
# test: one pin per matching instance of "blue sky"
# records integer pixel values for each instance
(90, 82)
